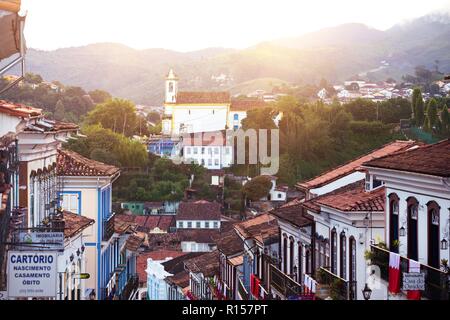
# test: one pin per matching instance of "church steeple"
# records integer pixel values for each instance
(171, 87)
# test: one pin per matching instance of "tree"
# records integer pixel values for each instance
(33, 78)
(60, 111)
(418, 107)
(119, 115)
(432, 118)
(100, 96)
(257, 188)
(445, 121)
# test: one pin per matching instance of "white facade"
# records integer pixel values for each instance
(235, 119)
(157, 288)
(211, 157)
(192, 246)
(198, 224)
(188, 118)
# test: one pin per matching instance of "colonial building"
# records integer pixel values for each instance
(417, 201)
(186, 112)
(200, 214)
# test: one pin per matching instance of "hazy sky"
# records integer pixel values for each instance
(187, 25)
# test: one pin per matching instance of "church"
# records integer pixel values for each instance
(190, 112)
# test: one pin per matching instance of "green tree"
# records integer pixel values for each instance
(119, 115)
(257, 188)
(445, 121)
(418, 106)
(432, 119)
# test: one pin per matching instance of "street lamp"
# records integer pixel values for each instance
(366, 292)
(402, 231)
(444, 244)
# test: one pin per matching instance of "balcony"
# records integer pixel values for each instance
(242, 291)
(334, 286)
(284, 284)
(436, 281)
(108, 228)
(130, 287)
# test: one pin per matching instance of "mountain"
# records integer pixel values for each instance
(332, 53)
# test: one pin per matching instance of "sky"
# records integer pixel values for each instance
(188, 25)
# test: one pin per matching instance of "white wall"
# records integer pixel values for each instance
(194, 224)
(199, 118)
(232, 122)
(346, 180)
(191, 246)
(214, 157)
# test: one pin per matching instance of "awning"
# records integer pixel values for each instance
(10, 5)
(10, 34)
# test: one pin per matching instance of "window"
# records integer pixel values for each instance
(180, 224)
(300, 264)
(376, 183)
(291, 255)
(279, 196)
(412, 228)
(203, 162)
(213, 111)
(216, 225)
(308, 262)
(216, 162)
(343, 256)
(393, 222)
(235, 127)
(216, 150)
(203, 150)
(70, 202)
(188, 150)
(334, 251)
(433, 234)
(197, 224)
(189, 224)
(195, 150)
(189, 111)
(209, 150)
(170, 86)
(352, 257)
(285, 258)
(236, 116)
(206, 224)
(209, 162)
(227, 150)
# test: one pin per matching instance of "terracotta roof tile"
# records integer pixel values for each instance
(293, 213)
(199, 210)
(75, 223)
(207, 263)
(19, 110)
(186, 97)
(247, 104)
(229, 243)
(70, 163)
(353, 165)
(430, 159)
(352, 197)
(261, 228)
(180, 279)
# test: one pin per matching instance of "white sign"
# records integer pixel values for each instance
(413, 281)
(43, 240)
(32, 274)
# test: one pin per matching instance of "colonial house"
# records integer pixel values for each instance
(86, 189)
(209, 150)
(417, 201)
(202, 272)
(199, 214)
(187, 112)
(260, 239)
(231, 253)
(347, 221)
(347, 173)
(296, 246)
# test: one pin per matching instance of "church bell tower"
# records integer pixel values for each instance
(171, 87)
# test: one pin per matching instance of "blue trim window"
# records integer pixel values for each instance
(236, 116)
(70, 201)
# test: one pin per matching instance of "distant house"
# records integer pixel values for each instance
(200, 214)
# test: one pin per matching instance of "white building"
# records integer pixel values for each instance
(417, 200)
(200, 214)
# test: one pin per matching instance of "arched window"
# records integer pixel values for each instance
(334, 251)
(307, 261)
(285, 259)
(343, 256)
(352, 256)
(433, 234)
(170, 86)
(236, 116)
(393, 222)
(413, 216)
(291, 255)
(300, 264)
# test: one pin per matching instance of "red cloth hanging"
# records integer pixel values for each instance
(394, 272)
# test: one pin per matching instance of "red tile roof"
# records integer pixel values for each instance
(159, 255)
(70, 163)
(213, 138)
(247, 104)
(261, 228)
(293, 213)
(350, 198)
(75, 223)
(19, 110)
(431, 159)
(229, 243)
(207, 263)
(185, 97)
(354, 165)
(199, 210)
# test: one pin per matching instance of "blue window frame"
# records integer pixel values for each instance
(236, 116)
